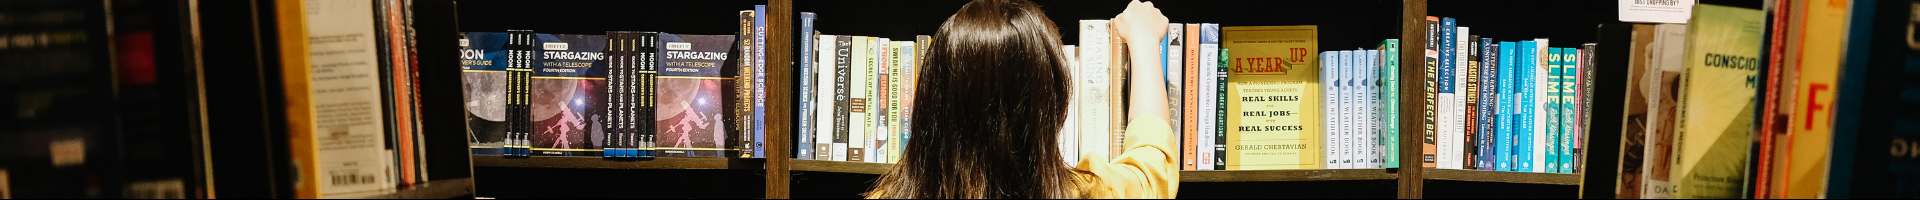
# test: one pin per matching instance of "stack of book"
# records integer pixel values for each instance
(857, 95)
(621, 94)
(1506, 106)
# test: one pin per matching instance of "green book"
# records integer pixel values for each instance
(1390, 100)
(1716, 102)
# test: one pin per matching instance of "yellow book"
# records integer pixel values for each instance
(1717, 102)
(327, 56)
(1808, 80)
(1274, 71)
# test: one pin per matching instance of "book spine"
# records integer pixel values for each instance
(826, 102)
(1489, 102)
(862, 100)
(739, 114)
(1092, 79)
(876, 139)
(1377, 155)
(1390, 99)
(1329, 70)
(616, 63)
(1457, 118)
(1530, 148)
(1220, 114)
(1449, 151)
(893, 100)
(1541, 147)
(1586, 70)
(802, 148)
(1429, 148)
(843, 96)
(1507, 112)
(1349, 63)
(1552, 104)
(1070, 130)
(522, 72)
(908, 72)
(642, 122)
(759, 82)
(1189, 92)
(1209, 95)
(1116, 80)
(1472, 116)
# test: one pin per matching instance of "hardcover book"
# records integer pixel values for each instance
(692, 89)
(826, 110)
(861, 98)
(1717, 100)
(1093, 89)
(483, 60)
(1873, 127)
(1271, 82)
(569, 101)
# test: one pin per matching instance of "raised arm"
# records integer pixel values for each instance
(1142, 26)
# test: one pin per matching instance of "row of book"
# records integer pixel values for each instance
(621, 94)
(857, 95)
(1505, 106)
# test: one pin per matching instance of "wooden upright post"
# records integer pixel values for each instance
(1413, 43)
(780, 79)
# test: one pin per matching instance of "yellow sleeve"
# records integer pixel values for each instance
(1146, 170)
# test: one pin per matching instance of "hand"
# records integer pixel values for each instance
(1141, 23)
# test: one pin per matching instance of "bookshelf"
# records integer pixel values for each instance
(1366, 22)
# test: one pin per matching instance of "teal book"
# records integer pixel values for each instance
(1390, 106)
(1508, 113)
(1552, 108)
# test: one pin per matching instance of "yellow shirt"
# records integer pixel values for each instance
(1146, 170)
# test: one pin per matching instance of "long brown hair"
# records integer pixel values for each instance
(992, 97)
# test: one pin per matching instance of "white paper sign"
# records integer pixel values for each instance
(1656, 11)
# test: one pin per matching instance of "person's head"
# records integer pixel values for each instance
(992, 97)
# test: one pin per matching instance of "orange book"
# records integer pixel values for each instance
(1190, 97)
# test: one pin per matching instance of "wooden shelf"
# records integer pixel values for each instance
(840, 166)
(1185, 176)
(603, 163)
(1287, 175)
(440, 189)
(1501, 177)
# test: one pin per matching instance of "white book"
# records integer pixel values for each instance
(860, 82)
(1462, 48)
(1330, 121)
(1209, 93)
(1374, 148)
(1091, 86)
(1069, 130)
(823, 100)
(1175, 71)
(1539, 106)
(1346, 108)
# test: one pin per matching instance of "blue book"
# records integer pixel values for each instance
(759, 82)
(1447, 147)
(1524, 85)
(803, 145)
(483, 58)
(1568, 83)
(1504, 137)
(1489, 103)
